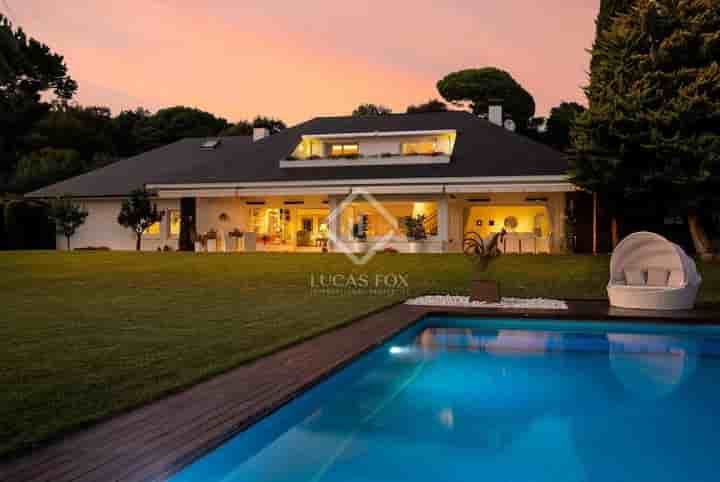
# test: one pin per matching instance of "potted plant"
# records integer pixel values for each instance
(211, 241)
(265, 239)
(415, 228)
(481, 253)
(234, 239)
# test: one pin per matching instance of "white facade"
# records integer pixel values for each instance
(540, 215)
(101, 228)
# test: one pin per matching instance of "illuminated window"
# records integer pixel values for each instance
(256, 220)
(153, 230)
(415, 148)
(174, 223)
(337, 150)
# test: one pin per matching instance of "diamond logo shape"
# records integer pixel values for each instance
(377, 245)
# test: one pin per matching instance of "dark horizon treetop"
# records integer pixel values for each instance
(371, 109)
(432, 105)
(559, 124)
(271, 123)
(480, 87)
(174, 123)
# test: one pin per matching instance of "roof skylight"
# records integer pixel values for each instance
(210, 144)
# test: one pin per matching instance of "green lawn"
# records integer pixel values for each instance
(89, 334)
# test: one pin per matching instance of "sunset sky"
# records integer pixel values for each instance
(300, 59)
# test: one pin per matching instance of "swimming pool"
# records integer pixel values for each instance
(454, 399)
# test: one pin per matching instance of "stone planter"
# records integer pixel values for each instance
(212, 245)
(484, 290)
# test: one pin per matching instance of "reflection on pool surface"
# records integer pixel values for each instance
(459, 400)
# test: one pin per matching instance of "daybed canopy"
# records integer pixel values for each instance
(647, 271)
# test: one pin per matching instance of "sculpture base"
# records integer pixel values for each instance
(488, 291)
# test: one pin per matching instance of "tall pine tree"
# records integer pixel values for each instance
(609, 9)
(652, 133)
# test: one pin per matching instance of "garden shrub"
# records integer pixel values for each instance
(27, 226)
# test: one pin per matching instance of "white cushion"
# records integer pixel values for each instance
(657, 277)
(634, 277)
(676, 279)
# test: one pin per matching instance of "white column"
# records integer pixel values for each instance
(333, 222)
(443, 221)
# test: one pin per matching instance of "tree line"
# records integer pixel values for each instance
(45, 137)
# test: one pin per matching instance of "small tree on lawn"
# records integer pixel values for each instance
(138, 214)
(67, 216)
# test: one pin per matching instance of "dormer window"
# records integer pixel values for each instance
(418, 148)
(344, 150)
(372, 148)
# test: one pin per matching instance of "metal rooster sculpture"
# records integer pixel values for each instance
(480, 252)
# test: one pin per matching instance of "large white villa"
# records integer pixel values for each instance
(461, 172)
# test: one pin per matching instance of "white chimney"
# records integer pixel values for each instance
(495, 113)
(260, 133)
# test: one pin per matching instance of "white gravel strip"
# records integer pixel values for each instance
(507, 303)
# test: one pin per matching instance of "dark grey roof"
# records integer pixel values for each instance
(121, 177)
(481, 150)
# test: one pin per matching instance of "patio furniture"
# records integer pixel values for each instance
(512, 244)
(233, 240)
(542, 245)
(527, 243)
(649, 272)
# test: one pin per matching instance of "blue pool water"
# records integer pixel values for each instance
(485, 400)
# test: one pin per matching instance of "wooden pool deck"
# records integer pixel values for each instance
(155, 441)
